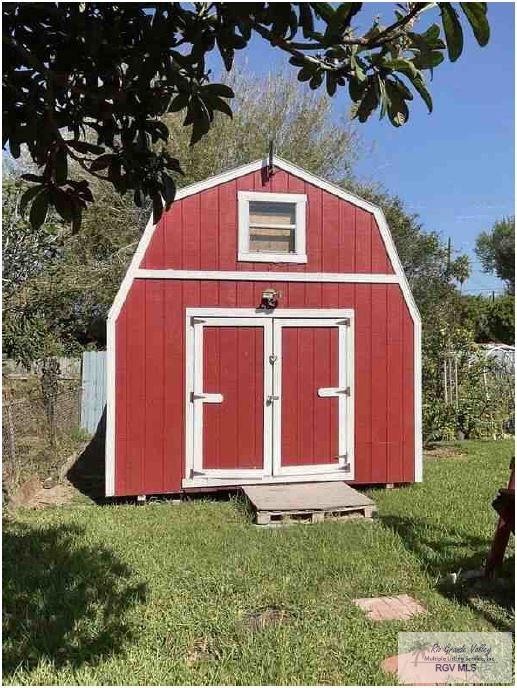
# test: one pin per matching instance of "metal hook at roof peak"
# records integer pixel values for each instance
(270, 165)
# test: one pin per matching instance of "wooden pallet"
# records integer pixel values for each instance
(279, 505)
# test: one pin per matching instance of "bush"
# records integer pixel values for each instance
(477, 400)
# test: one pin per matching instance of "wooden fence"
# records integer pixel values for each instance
(93, 398)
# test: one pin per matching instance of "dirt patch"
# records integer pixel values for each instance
(444, 453)
(32, 495)
(25, 492)
(199, 651)
(258, 620)
(58, 495)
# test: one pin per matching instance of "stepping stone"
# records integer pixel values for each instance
(396, 608)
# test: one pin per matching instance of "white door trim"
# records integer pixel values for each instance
(221, 317)
(345, 327)
(196, 397)
(269, 314)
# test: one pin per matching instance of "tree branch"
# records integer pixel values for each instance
(398, 25)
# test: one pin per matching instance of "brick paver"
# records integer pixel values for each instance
(399, 607)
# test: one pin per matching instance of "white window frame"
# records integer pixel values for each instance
(300, 252)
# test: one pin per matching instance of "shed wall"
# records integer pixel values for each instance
(200, 232)
(150, 370)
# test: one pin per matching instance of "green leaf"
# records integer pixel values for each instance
(32, 177)
(61, 166)
(476, 15)
(14, 148)
(85, 147)
(160, 130)
(306, 19)
(179, 102)
(331, 83)
(305, 73)
(297, 61)
(433, 32)
(157, 207)
(63, 204)
(169, 189)
(323, 10)
(369, 102)
(400, 65)
(316, 80)
(420, 86)
(39, 209)
(101, 162)
(27, 196)
(397, 109)
(453, 30)
(406, 93)
(221, 90)
(76, 221)
(345, 12)
(358, 68)
(356, 88)
(428, 60)
(222, 106)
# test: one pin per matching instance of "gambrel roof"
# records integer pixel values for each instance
(296, 171)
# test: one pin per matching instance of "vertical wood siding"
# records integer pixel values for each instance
(150, 374)
(200, 232)
(309, 422)
(233, 431)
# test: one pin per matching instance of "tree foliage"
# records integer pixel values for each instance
(491, 319)
(61, 306)
(25, 251)
(496, 251)
(115, 69)
(271, 108)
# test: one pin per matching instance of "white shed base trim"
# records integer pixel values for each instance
(266, 480)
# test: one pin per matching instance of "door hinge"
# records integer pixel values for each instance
(345, 321)
(273, 359)
(346, 465)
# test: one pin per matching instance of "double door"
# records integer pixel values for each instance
(269, 396)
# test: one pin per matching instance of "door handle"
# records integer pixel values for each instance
(271, 398)
(333, 391)
(206, 397)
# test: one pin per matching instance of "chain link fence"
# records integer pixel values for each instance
(40, 424)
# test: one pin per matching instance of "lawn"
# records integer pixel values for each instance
(171, 593)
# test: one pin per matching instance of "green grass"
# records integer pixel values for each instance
(161, 594)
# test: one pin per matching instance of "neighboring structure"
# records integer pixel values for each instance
(264, 332)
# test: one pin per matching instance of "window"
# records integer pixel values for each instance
(272, 227)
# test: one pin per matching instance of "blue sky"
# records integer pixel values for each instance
(454, 167)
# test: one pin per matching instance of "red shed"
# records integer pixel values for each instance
(265, 332)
